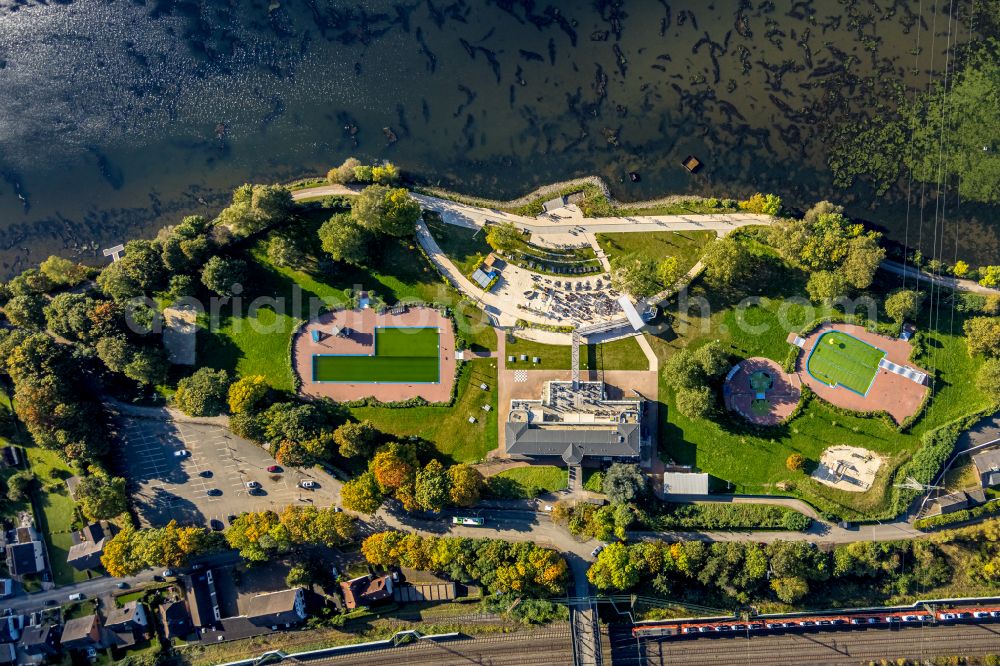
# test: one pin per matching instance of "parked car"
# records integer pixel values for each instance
(205, 474)
(216, 525)
(980, 614)
(253, 485)
(76, 596)
(182, 453)
(308, 484)
(122, 585)
(274, 469)
(167, 573)
(597, 551)
(547, 508)
(213, 492)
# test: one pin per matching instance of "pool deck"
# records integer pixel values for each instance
(359, 339)
(890, 392)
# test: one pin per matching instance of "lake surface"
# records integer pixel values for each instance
(119, 117)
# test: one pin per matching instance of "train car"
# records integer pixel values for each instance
(823, 622)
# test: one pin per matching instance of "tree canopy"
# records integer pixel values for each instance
(384, 210)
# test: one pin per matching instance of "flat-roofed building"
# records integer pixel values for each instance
(575, 424)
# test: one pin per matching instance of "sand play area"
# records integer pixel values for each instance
(848, 468)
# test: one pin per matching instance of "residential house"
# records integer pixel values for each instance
(958, 501)
(987, 466)
(282, 609)
(82, 633)
(127, 625)
(25, 551)
(175, 619)
(88, 545)
(41, 639)
(202, 598)
(366, 590)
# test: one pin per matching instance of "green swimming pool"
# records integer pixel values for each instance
(403, 355)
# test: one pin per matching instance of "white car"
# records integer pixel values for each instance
(76, 596)
(547, 508)
(308, 483)
(253, 485)
(597, 551)
(946, 616)
(182, 453)
(167, 572)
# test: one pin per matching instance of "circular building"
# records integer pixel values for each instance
(761, 392)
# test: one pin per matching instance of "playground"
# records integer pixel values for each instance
(402, 353)
(761, 392)
(851, 367)
(849, 468)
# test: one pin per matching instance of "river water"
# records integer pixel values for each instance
(117, 117)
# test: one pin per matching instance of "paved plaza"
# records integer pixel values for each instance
(167, 487)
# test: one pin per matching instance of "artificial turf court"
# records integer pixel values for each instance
(403, 355)
(839, 359)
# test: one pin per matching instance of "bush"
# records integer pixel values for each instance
(984, 510)
(795, 462)
(718, 515)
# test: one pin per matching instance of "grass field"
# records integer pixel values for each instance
(686, 246)
(753, 460)
(465, 247)
(526, 482)
(402, 355)
(624, 354)
(448, 427)
(839, 359)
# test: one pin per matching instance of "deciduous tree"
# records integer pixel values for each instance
(384, 210)
(467, 484)
(247, 392)
(624, 482)
(344, 240)
(362, 494)
(204, 393)
(356, 438)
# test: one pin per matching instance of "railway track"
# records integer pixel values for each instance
(848, 646)
(522, 648)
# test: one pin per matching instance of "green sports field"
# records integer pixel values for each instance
(402, 356)
(841, 359)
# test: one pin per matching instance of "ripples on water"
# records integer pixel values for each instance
(118, 117)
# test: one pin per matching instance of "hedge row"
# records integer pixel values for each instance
(981, 511)
(719, 515)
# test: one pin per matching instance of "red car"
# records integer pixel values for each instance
(274, 468)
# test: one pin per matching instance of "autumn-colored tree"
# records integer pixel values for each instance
(795, 462)
(248, 533)
(466, 484)
(292, 454)
(362, 494)
(391, 470)
(247, 392)
(433, 487)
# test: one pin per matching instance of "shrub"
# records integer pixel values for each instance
(795, 462)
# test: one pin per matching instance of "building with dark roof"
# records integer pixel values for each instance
(987, 466)
(366, 590)
(127, 625)
(41, 639)
(175, 619)
(10, 456)
(88, 545)
(82, 632)
(575, 423)
(25, 558)
(958, 501)
(202, 598)
(286, 608)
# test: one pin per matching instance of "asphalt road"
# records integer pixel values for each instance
(828, 648)
(537, 648)
(101, 587)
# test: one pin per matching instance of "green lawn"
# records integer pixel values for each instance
(753, 460)
(839, 359)
(524, 482)
(402, 355)
(448, 427)
(624, 354)
(58, 511)
(687, 246)
(465, 247)
(593, 480)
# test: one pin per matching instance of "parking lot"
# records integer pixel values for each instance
(210, 483)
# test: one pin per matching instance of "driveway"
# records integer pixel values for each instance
(169, 487)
